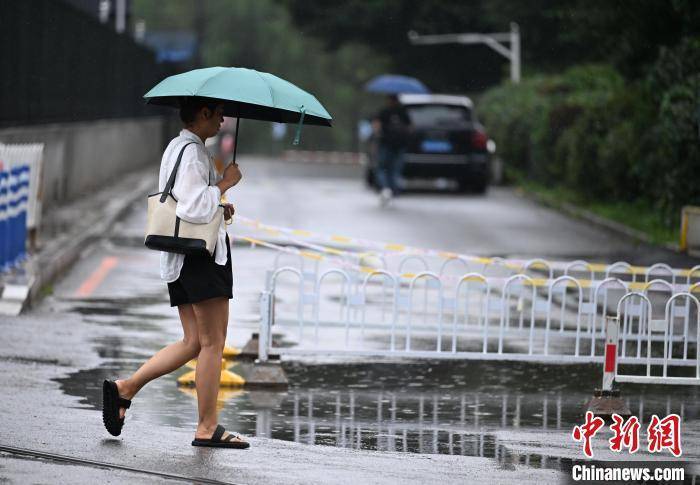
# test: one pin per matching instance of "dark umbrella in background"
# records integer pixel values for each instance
(390, 85)
(395, 84)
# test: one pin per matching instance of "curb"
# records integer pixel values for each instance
(602, 222)
(61, 252)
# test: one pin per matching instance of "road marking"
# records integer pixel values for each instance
(94, 280)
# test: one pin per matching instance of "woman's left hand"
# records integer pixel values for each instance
(229, 210)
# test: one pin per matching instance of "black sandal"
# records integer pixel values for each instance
(216, 442)
(111, 402)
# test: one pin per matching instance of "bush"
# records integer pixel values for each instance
(605, 139)
(671, 168)
(509, 112)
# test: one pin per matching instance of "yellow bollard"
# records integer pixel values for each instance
(228, 378)
(222, 398)
(186, 379)
(231, 352)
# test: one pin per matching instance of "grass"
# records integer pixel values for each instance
(46, 291)
(637, 215)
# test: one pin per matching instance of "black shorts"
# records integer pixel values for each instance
(201, 279)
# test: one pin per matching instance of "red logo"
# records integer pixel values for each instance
(665, 434)
(587, 431)
(625, 436)
(662, 434)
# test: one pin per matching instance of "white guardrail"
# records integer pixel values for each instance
(395, 301)
(560, 320)
(663, 347)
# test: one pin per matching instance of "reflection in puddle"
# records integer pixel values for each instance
(447, 407)
(386, 417)
(425, 422)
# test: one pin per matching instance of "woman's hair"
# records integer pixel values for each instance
(190, 106)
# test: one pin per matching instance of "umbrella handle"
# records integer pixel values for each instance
(235, 141)
(297, 137)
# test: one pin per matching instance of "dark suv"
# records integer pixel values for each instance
(447, 142)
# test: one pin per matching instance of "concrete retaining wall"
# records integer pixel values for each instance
(82, 157)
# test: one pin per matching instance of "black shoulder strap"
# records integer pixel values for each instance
(171, 181)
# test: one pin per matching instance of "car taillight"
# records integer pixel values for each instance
(479, 140)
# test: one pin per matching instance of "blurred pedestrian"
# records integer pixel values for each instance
(199, 286)
(391, 127)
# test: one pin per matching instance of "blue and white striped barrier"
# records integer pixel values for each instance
(19, 179)
(4, 217)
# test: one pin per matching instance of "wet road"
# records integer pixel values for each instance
(111, 312)
(500, 223)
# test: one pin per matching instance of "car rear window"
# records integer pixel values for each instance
(438, 114)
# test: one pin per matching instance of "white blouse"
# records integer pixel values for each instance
(196, 193)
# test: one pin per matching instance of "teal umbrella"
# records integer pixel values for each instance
(246, 93)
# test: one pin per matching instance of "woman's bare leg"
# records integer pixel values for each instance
(167, 359)
(212, 322)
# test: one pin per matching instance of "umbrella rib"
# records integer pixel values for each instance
(272, 97)
(223, 69)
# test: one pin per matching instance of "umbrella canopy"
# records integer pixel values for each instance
(246, 93)
(394, 84)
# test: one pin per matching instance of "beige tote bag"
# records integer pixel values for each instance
(167, 232)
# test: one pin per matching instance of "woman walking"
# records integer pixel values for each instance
(199, 286)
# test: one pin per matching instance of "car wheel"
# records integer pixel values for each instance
(478, 186)
(463, 185)
(481, 186)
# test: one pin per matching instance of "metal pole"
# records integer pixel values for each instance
(611, 340)
(235, 140)
(266, 299)
(120, 16)
(514, 53)
(493, 40)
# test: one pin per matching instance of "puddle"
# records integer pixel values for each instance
(34, 360)
(446, 407)
(451, 408)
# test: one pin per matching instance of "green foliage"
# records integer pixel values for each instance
(259, 34)
(532, 121)
(608, 108)
(384, 25)
(672, 164)
(603, 138)
(556, 34)
(510, 114)
(638, 214)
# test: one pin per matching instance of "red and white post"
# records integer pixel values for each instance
(612, 329)
(607, 401)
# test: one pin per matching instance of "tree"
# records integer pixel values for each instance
(259, 34)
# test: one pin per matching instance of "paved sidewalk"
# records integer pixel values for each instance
(42, 346)
(47, 344)
(66, 334)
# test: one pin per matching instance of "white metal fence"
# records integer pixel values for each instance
(341, 311)
(663, 350)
